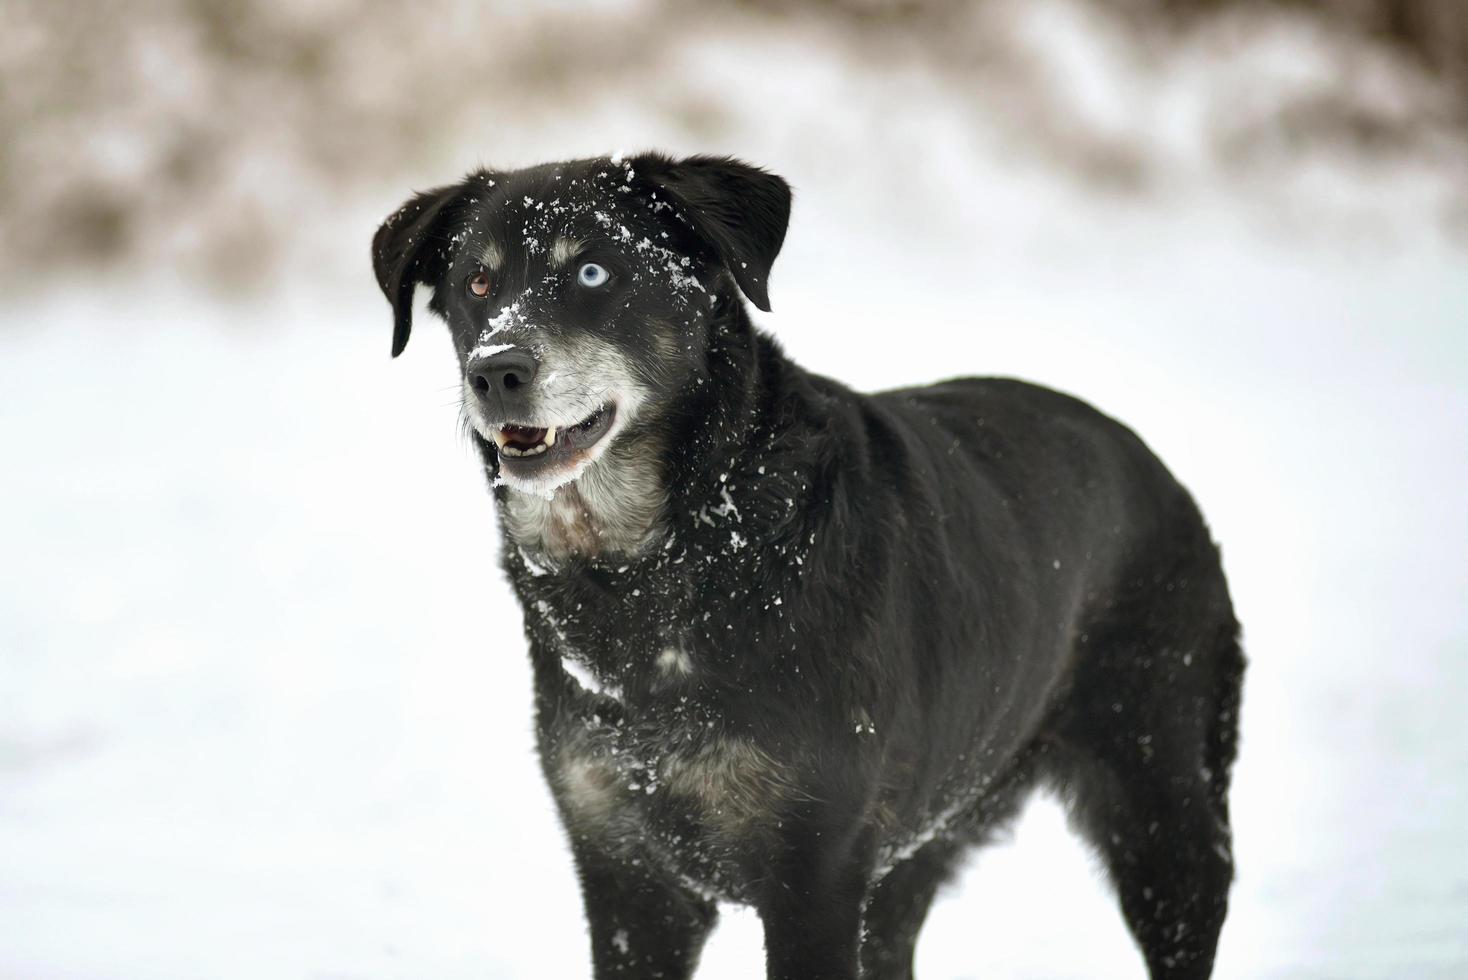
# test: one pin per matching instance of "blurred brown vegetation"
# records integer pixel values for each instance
(197, 131)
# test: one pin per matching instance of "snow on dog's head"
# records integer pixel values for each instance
(580, 296)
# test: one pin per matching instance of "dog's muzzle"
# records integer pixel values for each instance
(531, 452)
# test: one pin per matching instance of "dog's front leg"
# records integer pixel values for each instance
(812, 898)
(641, 925)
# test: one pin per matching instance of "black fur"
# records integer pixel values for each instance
(901, 610)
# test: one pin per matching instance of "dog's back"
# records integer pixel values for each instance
(1030, 552)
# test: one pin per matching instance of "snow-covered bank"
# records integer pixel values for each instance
(264, 705)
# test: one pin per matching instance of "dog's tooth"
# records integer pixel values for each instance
(550, 436)
(500, 438)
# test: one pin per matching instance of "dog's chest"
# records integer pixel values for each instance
(645, 764)
(672, 790)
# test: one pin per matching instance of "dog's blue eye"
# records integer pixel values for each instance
(592, 275)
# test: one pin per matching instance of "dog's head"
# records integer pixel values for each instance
(579, 294)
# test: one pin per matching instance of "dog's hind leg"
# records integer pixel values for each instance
(1169, 859)
(1143, 757)
(641, 925)
(897, 907)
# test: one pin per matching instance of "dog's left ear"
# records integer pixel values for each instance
(410, 249)
(741, 211)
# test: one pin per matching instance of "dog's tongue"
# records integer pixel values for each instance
(522, 435)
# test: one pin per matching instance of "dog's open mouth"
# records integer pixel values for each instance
(528, 448)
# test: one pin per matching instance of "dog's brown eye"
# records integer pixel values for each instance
(479, 284)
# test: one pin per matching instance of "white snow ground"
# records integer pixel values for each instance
(264, 705)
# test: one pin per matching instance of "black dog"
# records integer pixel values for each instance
(799, 647)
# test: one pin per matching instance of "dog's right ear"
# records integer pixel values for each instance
(410, 248)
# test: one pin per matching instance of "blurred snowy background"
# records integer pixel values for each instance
(264, 702)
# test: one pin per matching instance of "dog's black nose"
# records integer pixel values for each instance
(506, 372)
